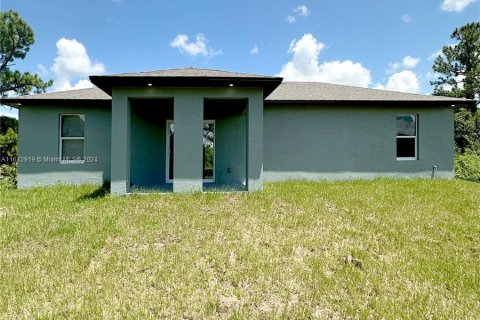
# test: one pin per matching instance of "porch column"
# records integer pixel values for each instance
(120, 145)
(188, 143)
(255, 142)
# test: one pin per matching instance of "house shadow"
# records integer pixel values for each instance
(99, 193)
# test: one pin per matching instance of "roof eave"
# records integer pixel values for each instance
(431, 103)
(18, 103)
(106, 83)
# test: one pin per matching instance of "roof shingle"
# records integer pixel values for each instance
(186, 77)
(190, 72)
(77, 94)
(323, 92)
(287, 92)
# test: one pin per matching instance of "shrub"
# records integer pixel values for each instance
(8, 175)
(467, 130)
(467, 166)
(8, 157)
(8, 146)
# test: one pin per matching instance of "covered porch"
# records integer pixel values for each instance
(186, 130)
(152, 145)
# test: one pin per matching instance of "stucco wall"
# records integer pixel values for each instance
(148, 153)
(230, 152)
(347, 142)
(299, 143)
(39, 147)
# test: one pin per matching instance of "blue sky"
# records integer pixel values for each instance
(376, 43)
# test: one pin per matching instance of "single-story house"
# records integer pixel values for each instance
(198, 129)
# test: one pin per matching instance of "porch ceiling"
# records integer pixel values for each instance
(212, 108)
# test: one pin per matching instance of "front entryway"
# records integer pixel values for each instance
(208, 151)
(224, 158)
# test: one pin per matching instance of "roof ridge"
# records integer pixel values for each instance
(219, 70)
(183, 69)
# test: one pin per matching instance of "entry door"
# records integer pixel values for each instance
(208, 151)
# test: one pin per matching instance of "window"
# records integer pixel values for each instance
(72, 138)
(208, 150)
(407, 137)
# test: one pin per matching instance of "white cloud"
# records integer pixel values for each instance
(305, 65)
(393, 67)
(447, 87)
(403, 81)
(455, 5)
(73, 63)
(459, 79)
(434, 55)
(406, 18)
(431, 75)
(254, 50)
(83, 84)
(42, 70)
(194, 48)
(439, 52)
(62, 85)
(302, 10)
(291, 19)
(410, 62)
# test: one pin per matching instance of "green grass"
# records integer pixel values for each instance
(392, 249)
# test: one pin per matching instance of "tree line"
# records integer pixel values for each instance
(15, 41)
(458, 69)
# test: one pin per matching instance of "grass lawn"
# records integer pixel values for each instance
(393, 249)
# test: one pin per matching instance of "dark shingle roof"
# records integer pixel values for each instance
(186, 77)
(189, 73)
(77, 94)
(91, 95)
(313, 93)
(319, 92)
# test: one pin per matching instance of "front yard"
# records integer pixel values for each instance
(406, 249)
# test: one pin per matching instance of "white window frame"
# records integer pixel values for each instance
(167, 150)
(61, 161)
(407, 137)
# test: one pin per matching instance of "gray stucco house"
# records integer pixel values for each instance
(197, 129)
